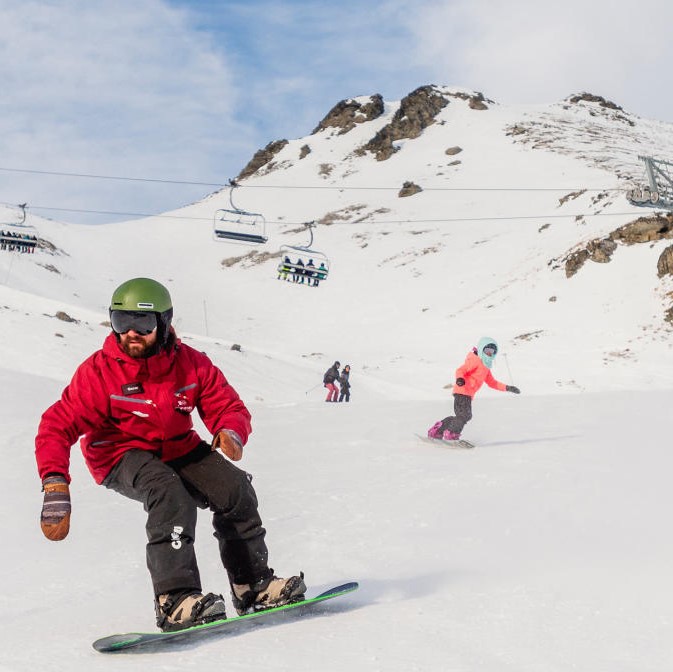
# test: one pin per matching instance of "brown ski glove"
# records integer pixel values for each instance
(229, 443)
(55, 517)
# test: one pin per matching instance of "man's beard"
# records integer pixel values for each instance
(137, 349)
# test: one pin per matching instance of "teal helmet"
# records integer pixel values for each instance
(144, 295)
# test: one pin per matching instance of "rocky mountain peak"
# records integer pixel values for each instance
(415, 113)
(261, 158)
(346, 114)
(592, 98)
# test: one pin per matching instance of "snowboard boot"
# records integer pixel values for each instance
(183, 609)
(433, 432)
(269, 592)
(450, 436)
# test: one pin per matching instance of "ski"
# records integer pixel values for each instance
(134, 640)
(457, 443)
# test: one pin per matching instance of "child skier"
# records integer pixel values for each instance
(469, 378)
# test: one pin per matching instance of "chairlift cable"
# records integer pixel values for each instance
(112, 177)
(363, 221)
(234, 183)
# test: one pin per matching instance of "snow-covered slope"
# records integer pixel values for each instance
(543, 549)
(416, 280)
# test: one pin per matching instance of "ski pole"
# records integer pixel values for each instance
(313, 388)
(509, 371)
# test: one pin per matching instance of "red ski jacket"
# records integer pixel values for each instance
(117, 403)
(475, 373)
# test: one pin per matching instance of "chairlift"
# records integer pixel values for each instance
(301, 262)
(17, 235)
(236, 225)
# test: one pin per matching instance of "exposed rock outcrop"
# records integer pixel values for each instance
(346, 114)
(261, 158)
(665, 262)
(645, 230)
(642, 230)
(605, 107)
(592, 98)
(416, 112)
(600, 251)
(475, 101)
(409, 189)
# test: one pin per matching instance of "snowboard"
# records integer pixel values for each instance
(134, 640)
(458, 443)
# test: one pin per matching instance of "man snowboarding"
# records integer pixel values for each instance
(131, 401)
(475, 371)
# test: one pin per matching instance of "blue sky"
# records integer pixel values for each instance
(190, 89)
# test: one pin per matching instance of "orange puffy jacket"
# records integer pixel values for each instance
(475, 373)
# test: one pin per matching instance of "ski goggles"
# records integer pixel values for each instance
(490, 349)
(142, 322)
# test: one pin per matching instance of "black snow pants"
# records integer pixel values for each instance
(462, 408)
(171, 493)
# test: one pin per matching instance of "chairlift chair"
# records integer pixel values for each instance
(319, 269)
(17, 234)
(239, 226)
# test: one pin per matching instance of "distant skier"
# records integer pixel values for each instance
(469, 378)
(310, 272)
(329, 379)
(320, 274)
(344, 384)
(298, 273)
(284, 268)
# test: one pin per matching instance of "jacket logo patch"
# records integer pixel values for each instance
(132, 388)
(182, 404)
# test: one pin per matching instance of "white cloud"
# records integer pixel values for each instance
(302, 58)
(111, 88)
(525, 51)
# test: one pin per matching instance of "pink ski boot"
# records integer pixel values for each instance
(450, 436)
(433, 432)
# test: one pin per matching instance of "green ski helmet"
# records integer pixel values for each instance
(145, 295)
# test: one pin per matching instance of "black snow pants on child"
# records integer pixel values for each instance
(462, 408)
(171, 492)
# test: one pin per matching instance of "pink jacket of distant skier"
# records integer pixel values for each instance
(117, 403)
(475, 373)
